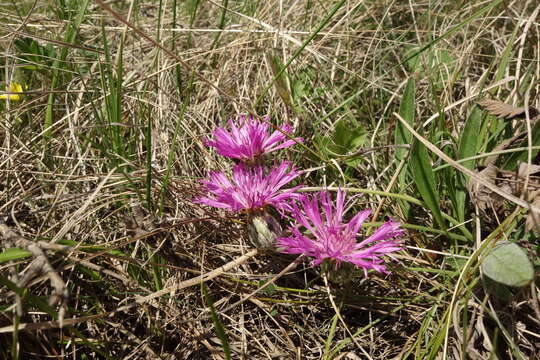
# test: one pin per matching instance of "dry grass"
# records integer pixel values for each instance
(108, 193)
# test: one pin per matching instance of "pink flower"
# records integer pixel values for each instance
(330, 238)
(248, 139)
(251, 188)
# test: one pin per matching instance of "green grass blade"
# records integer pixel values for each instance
(170, 155)
(221, 25)
(220, 331)
(32, 300)
(474, 16)
(330, 337)
(59, 63)
(148, 141)
(312, 36)
(505, 58)
(14, 254)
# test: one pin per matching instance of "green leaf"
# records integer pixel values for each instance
(345, 139)
(406, 111)
(412, 58)
(508, 264)
(14, 254)
(468, 143)
(424, 179)
(468, 146)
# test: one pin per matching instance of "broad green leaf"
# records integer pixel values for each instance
(424, 179)
(470, 137)
(406, 111)
(508, 264)
(468, 146)
(14, 254)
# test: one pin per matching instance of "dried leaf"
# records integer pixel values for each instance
(533, 220)
(480, 194)
(533, 194)
(524, 170)
(505, 111)
(483, 196)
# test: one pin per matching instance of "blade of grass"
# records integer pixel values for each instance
(328, 342)
(319, 28)
(148, 145)
(191, 7)
(14, 254)
(221, 25)
(474, 16)
(177, 68)
(113, 101)
(170, 155)
(25, 295)
(220, 331)
(15, 338)
(60, 63)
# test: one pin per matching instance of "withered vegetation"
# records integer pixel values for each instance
(103, 253)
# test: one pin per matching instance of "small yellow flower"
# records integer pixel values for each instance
(14, 88)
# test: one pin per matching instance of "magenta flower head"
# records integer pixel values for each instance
(248, 139)
(251, 188)
(330, 238)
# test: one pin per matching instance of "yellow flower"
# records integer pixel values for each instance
(14, 88)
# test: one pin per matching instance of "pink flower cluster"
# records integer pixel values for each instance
(318, 230)
(251, 189)
(249, 139)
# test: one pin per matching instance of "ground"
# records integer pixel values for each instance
(107, 109)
